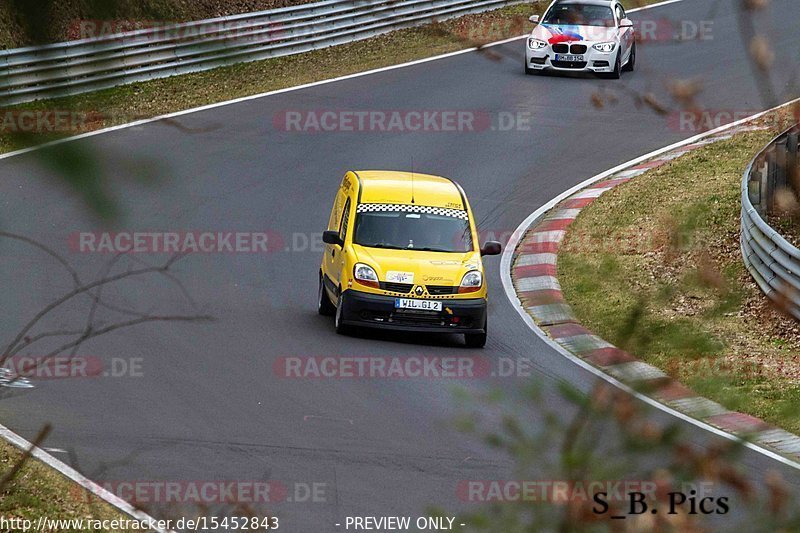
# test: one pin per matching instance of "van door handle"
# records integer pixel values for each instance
(333, 252)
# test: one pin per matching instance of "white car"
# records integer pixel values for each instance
(582, 36)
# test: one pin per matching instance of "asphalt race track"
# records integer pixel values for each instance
(208, 404)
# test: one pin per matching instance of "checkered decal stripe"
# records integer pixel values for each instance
(372, 208)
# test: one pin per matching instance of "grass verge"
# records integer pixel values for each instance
(37, 490)
(654, 267)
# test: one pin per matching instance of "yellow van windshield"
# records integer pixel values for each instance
(412, 228)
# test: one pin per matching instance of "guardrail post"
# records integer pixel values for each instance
(793, 172)
(761, 177)
(781, 156)
(754, 187)
(772, 180)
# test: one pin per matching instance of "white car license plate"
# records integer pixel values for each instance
(422, 305)
(569, 58)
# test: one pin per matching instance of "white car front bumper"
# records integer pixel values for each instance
(593, 59)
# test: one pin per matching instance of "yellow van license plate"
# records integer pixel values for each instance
(422, 305)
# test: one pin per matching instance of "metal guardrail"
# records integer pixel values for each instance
(74, 67)
(773, 262)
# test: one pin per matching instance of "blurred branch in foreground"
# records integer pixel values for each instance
(609, 439)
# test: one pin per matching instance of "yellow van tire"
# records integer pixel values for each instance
(324, 305)
(476, 340)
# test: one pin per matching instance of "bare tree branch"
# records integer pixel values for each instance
(81, 290)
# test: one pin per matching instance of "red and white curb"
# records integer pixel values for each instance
(529, 273)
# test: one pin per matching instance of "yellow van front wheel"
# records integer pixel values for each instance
(476, 340)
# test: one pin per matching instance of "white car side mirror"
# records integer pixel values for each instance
(626, 23)
(534, 19)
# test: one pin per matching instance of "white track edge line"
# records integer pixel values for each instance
(62, 467)
(283, 90)
(508, 286)
(75, 476)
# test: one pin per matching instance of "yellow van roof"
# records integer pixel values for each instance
(392, 187)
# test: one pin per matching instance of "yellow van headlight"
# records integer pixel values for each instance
(366, 275)
(471, 282)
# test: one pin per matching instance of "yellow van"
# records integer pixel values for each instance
(401, 253)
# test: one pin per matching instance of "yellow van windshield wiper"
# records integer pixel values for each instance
(428, 249)
(383, 245)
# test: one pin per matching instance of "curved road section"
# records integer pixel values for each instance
(194, 402)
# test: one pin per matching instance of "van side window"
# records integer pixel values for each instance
(345, 218)
(620, 13)
(336, 211)
(332, 219)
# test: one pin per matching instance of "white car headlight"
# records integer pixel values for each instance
(535, 44)
(604, 47)
(366, 275)
(471, 282)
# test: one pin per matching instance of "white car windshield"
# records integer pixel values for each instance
(579, 15)
(404, 230)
